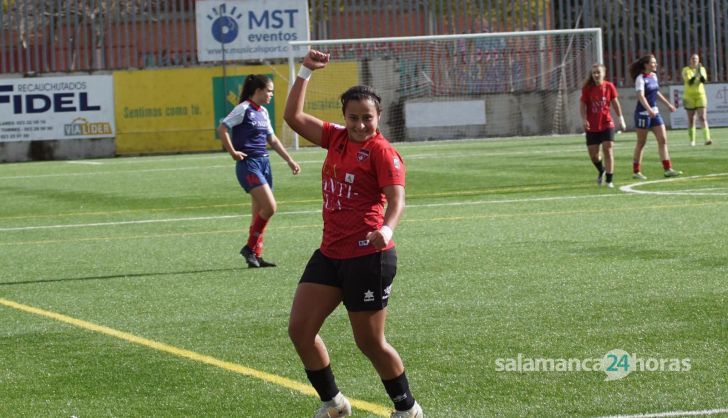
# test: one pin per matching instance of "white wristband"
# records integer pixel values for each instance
(304, 72)
(386, 232)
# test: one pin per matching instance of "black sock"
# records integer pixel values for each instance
(398, 390)
(610, 176)
(599, 166)
(324, 383)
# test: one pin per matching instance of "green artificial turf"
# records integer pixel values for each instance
(507, 247)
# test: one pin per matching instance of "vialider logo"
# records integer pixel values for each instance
(224, 27)
(82, 127)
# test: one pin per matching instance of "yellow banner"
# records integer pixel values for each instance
(178, 110)
(325, 88)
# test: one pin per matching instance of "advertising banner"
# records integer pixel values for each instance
(717, 110)
(237, 30)
(162, 111)
(50, 108)
(178, 110)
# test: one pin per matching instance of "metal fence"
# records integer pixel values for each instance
(60, 36)
(42, 36)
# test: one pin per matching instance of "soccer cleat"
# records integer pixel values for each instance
(249, 257)
(600, 178)
(414, 412)
(692, 143)
(610, 185)
(337, 407)
(639, 176)
(708, 142)
(263, 263)
(672, 173)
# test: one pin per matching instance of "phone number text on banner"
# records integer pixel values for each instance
(48, 108)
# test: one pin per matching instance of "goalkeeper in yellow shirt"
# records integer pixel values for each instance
(694, 97)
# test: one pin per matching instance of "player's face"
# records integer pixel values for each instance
(362, 119)
(263, 96)
(695, 60)
(597, 74)
(651, 66)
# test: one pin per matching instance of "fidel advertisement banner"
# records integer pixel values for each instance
(55, 108)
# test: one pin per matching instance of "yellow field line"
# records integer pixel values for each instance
(191, 355)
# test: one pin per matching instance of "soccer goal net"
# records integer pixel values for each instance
(459, 86)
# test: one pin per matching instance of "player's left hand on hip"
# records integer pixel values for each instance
(377, 239)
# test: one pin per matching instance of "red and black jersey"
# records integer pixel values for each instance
(352, 179)
(598, 100)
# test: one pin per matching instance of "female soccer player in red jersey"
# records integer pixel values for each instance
(244, 134)
(597, 96)
(356, 262)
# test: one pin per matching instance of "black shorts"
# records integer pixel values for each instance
(596, 138)
(366, 281)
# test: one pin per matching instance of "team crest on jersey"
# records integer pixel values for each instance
(362, 155)
(349, 178)
(396, 163)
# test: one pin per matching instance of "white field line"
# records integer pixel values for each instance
(278, 161)
(703, 412)
(633, 188)
(301, 212)
(704, 189)
(571, 148)
(145, 170)
(84, 162)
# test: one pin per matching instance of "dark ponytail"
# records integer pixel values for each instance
(638, 66)
(359, 93)
(252, 83)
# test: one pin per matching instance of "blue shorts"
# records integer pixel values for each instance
(646, 122)
(253, 172)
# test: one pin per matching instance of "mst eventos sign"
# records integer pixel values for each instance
(249, 29)
(56, 108)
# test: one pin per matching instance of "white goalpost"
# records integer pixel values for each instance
(476, 85)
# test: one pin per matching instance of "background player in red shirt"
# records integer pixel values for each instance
(356, 262)
(597, 96)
